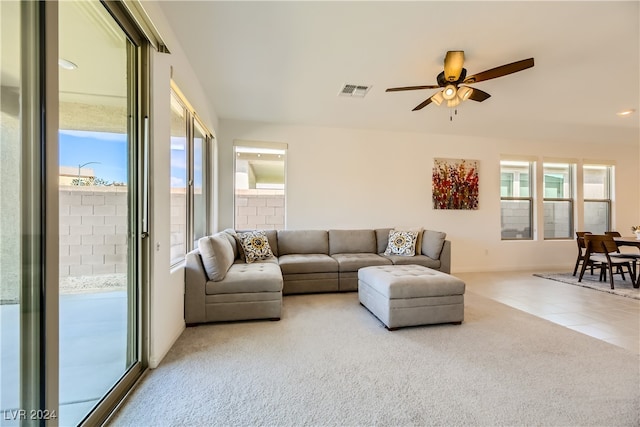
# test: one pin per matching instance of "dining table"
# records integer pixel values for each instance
(627, 241)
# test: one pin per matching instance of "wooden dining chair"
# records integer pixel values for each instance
(634, 255)
(617, 234)
(599, 249)
(582, 250)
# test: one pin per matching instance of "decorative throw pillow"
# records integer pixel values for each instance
(418, 230)
(255, 245)
(402, 243)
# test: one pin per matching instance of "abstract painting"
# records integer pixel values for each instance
(455, 184)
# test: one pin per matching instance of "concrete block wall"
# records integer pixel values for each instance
(515, 219)
(93, 230)
(260, 209)
(178, 238)
(557, 220)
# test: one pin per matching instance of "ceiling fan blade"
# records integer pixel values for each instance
(503, 70)
(422, 104)
(479, 95)
(397, 89)
(453, 62)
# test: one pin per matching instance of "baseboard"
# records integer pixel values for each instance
(512, 268)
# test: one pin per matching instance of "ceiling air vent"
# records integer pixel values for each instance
(354, 90)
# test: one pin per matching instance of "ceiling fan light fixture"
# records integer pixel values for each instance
(464, 93)
(437, 98)
(453, 102)
(449, 92)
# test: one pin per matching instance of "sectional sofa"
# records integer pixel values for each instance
(220, 285)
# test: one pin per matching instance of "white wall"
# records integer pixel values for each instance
(343, 178)
(166, 284)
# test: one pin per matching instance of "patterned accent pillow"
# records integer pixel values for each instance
(402, 243)
(255, 245)
(418, 230)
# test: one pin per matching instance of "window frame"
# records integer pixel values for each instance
(570, 200)
(259, 145)
(530, 198)
(192, 121)
(609, 191)
(206, 191)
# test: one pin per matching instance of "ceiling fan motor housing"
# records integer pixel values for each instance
(442, 81)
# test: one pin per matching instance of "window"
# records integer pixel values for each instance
(200, 179)
(516, 201)
(178, 180)
(189, 178)
(597, 198)
(259, 185)
(558, 200)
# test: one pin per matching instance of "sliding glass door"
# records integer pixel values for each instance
(22, 322)
(98, 140)
(72, 246)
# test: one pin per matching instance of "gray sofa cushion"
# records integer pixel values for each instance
(217, 255)
(272, 236)
(432, 242)
(307, 263)
(352, 241)
(303, 242)
(382, 238)
(422, 260)
(353, 262)
(272, 260)
(230, 234)
(248, 278)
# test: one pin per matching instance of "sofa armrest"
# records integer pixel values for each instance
(195, 281)
(445, 257)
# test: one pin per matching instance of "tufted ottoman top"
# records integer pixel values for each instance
(410, 281)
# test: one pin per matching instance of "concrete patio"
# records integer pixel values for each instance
(93, 334)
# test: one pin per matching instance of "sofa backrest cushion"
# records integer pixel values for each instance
(230, 234)
(432, 243)
(217, 255)
(303, 242)
(272, 237)
(382, 238)
(352, 241)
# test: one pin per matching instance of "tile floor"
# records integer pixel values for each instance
(608, 317)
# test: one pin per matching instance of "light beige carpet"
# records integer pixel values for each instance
(330, 362)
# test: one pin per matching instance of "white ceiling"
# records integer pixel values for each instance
(285, 62)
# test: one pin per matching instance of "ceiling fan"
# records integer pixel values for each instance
(453, 77)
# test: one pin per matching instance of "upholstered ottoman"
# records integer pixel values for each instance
(411, 295)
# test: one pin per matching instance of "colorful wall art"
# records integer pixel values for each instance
(455, 184)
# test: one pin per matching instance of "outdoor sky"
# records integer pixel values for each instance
(110, 151)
